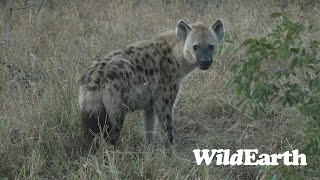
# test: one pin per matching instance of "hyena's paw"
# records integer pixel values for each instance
(114, 136)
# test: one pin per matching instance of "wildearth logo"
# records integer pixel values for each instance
(248, 157)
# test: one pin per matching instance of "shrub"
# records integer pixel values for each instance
(283, 68)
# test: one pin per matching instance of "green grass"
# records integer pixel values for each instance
(40, 135)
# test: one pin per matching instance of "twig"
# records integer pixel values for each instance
(23, 7)
(101, 51)
(78, 63)
(39, 9)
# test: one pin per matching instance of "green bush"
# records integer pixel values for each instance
(283, 68)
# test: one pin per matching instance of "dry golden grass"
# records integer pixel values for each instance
(39, 120)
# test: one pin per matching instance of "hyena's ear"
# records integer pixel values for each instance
(182, 30)
(218, 28)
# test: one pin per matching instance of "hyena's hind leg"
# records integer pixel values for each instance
(164, 112)
(116, 113)
(114, 127)
(150, 121)
(93, 122)
(93, 112)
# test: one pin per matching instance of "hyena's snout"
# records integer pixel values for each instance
(204, 61)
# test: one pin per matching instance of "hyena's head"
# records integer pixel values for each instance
(200, 42)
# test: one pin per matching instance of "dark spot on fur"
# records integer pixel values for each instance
(168, 49)
(151, 72)
(116, 53)
(168, 116)
(105, 80)
(166, 101)
(165, 52)
(97, 81)
(147, 55)
(144, 61)
(175, 87)
(129, 51)
(139, 68)
(100, 73)
(112, 75)
(92, 88)
(154, 53)
(169, 61)
(91, 72)
(169, 78)
(161, 63)
(156, 70)
(139, 48)
(116, 87)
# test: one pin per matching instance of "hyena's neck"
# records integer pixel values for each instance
(185, 66)
(177, 50)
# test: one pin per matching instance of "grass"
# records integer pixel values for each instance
(40, 136)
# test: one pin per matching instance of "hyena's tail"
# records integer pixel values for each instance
(93, 112)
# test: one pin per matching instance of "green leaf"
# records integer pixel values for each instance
(275, 177)
(275, 15)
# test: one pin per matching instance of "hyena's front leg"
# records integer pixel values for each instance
(149, 118)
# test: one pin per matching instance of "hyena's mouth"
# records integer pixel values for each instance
(204, 66)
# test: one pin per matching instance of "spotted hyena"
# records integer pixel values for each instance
(145, 76)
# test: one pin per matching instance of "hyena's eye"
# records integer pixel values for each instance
(211, 47)
(195, 47)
